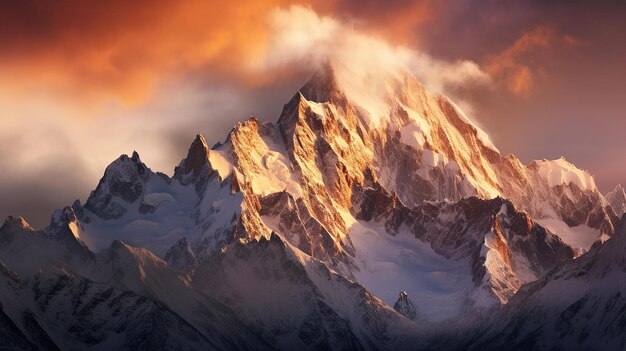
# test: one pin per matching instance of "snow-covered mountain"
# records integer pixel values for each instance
(301, 233)
(302, 177)
(617, 200)
(120, 298)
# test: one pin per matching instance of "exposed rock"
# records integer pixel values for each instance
(617, 200)
(122, 183)
(405, 306)
(180, 256)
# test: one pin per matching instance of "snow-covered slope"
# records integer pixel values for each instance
(74, 297)
(580, 306)
(55, 309)
(297, 302)
(481, 251)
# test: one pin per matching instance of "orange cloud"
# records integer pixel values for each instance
(515, 66)
(121, 50)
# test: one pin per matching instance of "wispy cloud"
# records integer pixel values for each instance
(300, 36)
(514, 66)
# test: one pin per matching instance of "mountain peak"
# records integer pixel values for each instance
(196, 163)
(180, 256)
(64, 223)
(405, 306)
(322, 86)
(562, 172)
(15, 223)
(617, 199)
(62, 216)
(118, 245)
(123, 180)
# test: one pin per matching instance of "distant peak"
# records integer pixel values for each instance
(405, 306)
(134, 158)
(125, 167)
(18, 222)
(118, 245)
(322, 86)
(562, 172)
(182, 240)
(197, 157)
(618, 191)
(63, 223)
(63, 216)
(199, 140)
(180, 256)
(617, 199)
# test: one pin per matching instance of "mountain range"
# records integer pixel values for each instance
(364, 218)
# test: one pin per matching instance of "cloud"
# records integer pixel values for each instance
(515, 66)
(120, 50)
(362, 63)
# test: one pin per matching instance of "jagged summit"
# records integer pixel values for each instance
(13, 224)
(561, 172)
(196, 168)
(135, 157)
(65, 221)
(197, 157)
(617, 199)
(323, 87)
(405, 306)
(181, 256)
(123, 183)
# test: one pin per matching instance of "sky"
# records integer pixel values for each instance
(82, 82)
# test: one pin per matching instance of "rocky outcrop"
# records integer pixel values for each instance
(123, 183)
(405, 306)
(617, 200)
(180, 256)
(195, 169)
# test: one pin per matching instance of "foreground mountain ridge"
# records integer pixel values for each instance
(328, 213)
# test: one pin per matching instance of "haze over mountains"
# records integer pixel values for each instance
(365, 217)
